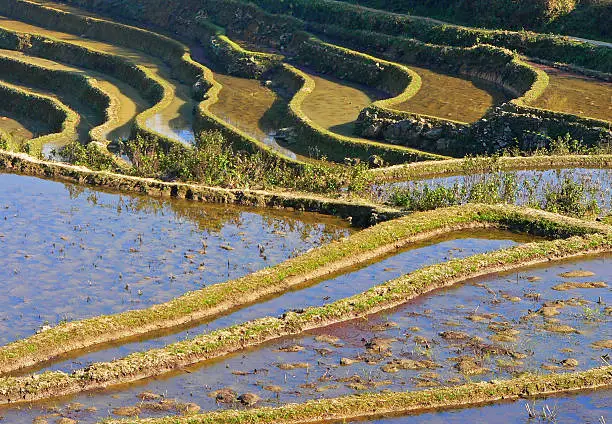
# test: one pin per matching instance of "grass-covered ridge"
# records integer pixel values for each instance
(66, 84)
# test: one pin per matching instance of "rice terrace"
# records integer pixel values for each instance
(305, 211)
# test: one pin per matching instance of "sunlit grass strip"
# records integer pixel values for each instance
(373, 405)
(377, 241)
(224, 341)
(61, 119)
(421, 170)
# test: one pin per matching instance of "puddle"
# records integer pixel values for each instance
(452, 97)
(75, 252)
(532, 185)
(175, 120)
(576, 94)
(335, 104)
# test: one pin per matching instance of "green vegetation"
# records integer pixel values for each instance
(213, 161)
(584, 18)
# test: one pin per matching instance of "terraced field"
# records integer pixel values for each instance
(221, 211)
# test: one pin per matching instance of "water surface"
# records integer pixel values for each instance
(335, 104)
(71, 252)
(452, 97)
(577, 94)
(175, 120)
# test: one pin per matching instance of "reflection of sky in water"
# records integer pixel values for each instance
(177, 128)
(597, 181)
(70, 252)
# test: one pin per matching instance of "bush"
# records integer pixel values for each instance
(213, 161)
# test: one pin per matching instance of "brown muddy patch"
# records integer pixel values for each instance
(452, 97)
(244, 104)
(576, 94)
(335, 104)
(570, 285)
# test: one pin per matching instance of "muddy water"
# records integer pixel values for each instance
(347, 283)
(576, 94)
(496, 335)
(532, 184)
(335, 104)
(452, 97)
(20, 132)
(247, 104)
(585, 407)
(126, 102)
(175, 120)
(88, 118)
(71, 252)
(201, 380)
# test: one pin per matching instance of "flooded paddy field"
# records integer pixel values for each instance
(244, 103)
(175, 120)
(126, 102)
(72, 252)
(335, 104)
(524, 187)
(18, 129)
(452, 97)
(541, 319)
(88, 118)
(576, 94)
(319, 292)
(76, 252)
